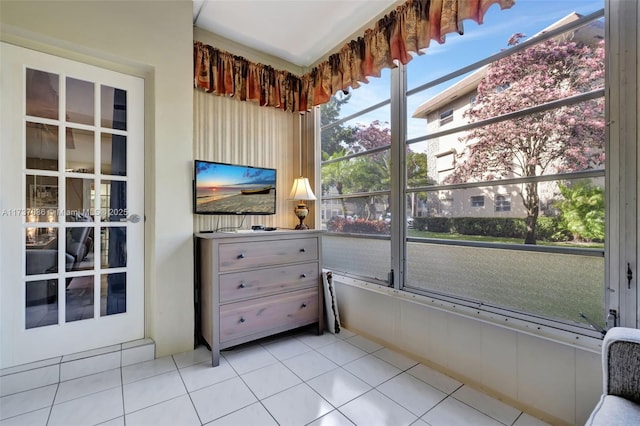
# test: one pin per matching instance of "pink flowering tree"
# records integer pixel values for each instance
(370, 172)
(565, 139)
(374, 172)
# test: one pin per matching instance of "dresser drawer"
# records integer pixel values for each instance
(294, 309)
(263, 282)
(235, 256)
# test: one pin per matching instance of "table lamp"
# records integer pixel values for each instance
(300, 192)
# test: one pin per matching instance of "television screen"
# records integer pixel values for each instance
(221, 188)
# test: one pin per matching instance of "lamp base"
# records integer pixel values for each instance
(301, 225)
(301, 211)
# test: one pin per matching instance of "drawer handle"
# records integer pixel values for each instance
(303, 276)
(304, 305)
(242, 319)
(302, 250)
(241, 256)
(242, 285)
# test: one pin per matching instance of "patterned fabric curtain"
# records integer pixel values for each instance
(408, 28)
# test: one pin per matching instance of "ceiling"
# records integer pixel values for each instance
(301, 32)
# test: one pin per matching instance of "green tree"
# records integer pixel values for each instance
(416, 176)
(417, 173)
(582, 211)
(371, 172)
(334, 143)
(334, 175)
(366, 173)
(335, 138)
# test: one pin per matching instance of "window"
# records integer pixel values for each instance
(446, 116)
(502, 87)
(521, 150)
(503, 203)
(456, 236)
(356, 179)
(477, 201)
(446, 161)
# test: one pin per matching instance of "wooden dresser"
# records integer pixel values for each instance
(257, 284)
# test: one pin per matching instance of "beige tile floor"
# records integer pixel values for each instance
(296, 379)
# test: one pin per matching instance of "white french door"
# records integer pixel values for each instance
(71, 207)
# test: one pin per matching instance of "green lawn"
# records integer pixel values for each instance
(449, 236)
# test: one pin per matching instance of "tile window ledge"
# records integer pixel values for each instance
(564, 337)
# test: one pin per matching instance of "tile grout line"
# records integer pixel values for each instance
(170, 399)
(308, 385)
(478, 410)
(124, 410)
(251, 390)
(517, 418)
(401, 371)
(446, 396)
(187, 390)
(53, 403)
(303, 381)
(339, 367)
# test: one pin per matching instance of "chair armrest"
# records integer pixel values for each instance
(41, 261)
(621, 363)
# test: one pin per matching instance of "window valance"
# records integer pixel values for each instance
(408, 28)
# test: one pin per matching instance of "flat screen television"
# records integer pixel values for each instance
(221, 188)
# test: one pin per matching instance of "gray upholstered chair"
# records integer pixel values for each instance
(43, 261)
(620, 400)
(79, 240)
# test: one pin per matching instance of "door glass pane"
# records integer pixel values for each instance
(41, 198)
(42, 94)
(79, 248)
(80, 151)
(113, 155)
(113, 293)
(41, 304)
(80, 197)
(113, 201)
(79, 298)
(42, 146)
(41, 251)
(113, 247)
(113, 108)
(80, 101)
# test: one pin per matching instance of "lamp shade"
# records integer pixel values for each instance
(301, 190)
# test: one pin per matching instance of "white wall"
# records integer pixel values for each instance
(557, 381)
(151, 39)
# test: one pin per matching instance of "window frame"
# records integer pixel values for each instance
(445, 117)
(399, 95)
(576, 328)
(476, 201)
(502, 203)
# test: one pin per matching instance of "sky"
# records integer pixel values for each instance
(478, 42)
(214, 174)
